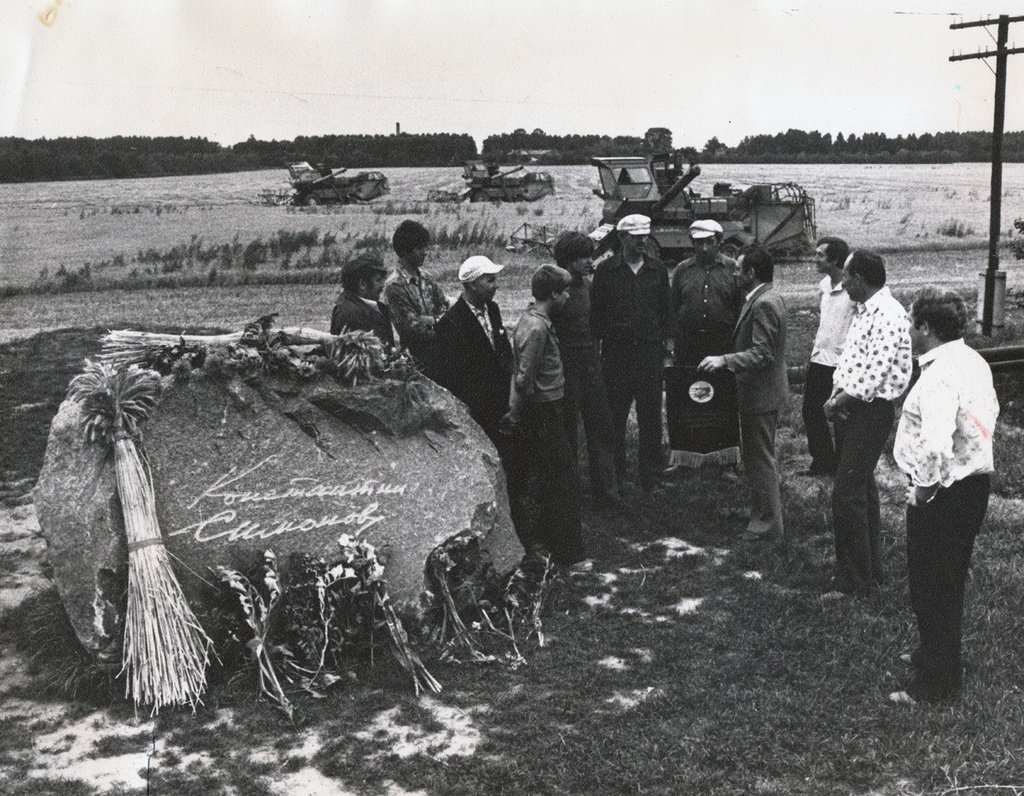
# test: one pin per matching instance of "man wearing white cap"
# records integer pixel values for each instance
(706, 298)
(629, 310)
(705, 301)
(472, 356)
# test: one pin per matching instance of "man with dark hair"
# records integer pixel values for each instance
(358, 307)
(762, 388)
(581, 360)
(705, 302)
(472, 355)
(549, 516)
(834, 321)
(415, 300)
(944, 445)
(873, 371)
(629, 314)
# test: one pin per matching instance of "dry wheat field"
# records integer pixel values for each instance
(930, 220)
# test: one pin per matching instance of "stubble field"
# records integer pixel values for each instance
(688, 662)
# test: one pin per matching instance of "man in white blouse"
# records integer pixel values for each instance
(873, 371)
(944, 445)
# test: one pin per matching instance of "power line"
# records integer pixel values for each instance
(1001, 52)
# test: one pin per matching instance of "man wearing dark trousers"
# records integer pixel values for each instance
(873, 371)
(585, 394)
(548, 483)
(944, 445)
(762, 387)
(630, 315)
(834, 322)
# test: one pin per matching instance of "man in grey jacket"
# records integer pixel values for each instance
(762, 387)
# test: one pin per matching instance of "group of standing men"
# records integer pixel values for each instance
(593, 349)
(860, 367)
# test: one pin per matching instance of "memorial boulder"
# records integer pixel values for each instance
(246, 458)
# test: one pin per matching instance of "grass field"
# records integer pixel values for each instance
(687, 663)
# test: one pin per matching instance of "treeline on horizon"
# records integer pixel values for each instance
(43, 159)
(793, 146)
(23, 160)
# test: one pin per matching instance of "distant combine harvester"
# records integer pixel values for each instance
(325, 186)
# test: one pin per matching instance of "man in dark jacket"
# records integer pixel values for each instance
(472, 356)
(629, 310)
(585, 394)
(358, 308)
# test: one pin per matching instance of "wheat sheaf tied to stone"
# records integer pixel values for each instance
(166, 650)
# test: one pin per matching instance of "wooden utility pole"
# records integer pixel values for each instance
(996, 193)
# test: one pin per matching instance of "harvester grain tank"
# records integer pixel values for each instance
(778, 216)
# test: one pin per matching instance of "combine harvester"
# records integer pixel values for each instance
(314, 187)
(486, 182)
(778, 216)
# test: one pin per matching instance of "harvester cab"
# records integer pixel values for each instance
(778, 216)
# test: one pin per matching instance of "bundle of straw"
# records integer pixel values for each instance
(166, 650)
(125, 347)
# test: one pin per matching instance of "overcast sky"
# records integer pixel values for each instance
(282, 68)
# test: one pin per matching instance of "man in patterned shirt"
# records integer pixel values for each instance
(873, 371)
(414, 299)
(944, 444)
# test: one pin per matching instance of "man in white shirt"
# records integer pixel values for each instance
(944, 445)
(834, 321)
(873, 371)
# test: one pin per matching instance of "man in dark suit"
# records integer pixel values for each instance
(472, 356)
(762, 388)
(358, 308)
